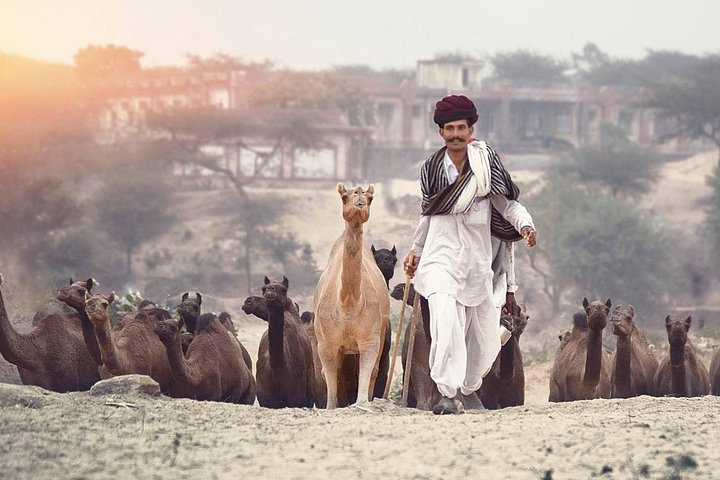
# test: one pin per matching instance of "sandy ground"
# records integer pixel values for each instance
(50, 435)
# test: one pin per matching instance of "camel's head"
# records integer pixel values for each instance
(167, 330)
(677, 330)
(256, 305)
(96, 306)
(356, 203)
(226, 319)
(152, 315)
(564, 338)
(386, 260)
(398, 291)
(597, 313)
(190, 306)
(73, 295)
(307, 317)
(275, 292)
(622, 321)
(520, 321)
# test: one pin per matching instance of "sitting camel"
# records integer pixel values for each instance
(581, 370)
(135, 348)
(226, 320)
(213, 367)
(285, 370)
(715, 372)
(504, 385)
(633, 365)
(53, 356)
(73, 295)
(681, 373)
(351, 301)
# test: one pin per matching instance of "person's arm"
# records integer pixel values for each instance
(512, 285)
(423, 225)
(518, 216)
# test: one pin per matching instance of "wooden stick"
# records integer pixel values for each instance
(397, 334)
(407, 371)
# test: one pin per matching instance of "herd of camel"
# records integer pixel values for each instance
(339, 353)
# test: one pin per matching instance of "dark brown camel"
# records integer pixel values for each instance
(386, 261)
(134, 349)
(504, 385)
(189, 311)
(581, 370)
(285, 370)
(633, 365)
(226, 320)
(715, 372)
(681, 373)
(53, 356)
(213, 367)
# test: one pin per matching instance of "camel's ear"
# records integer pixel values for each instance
(111, 298)
(267, 280)
(286, 282)
(371, 189)
(185, 296)
(89, 284)
(688, 321)
(523, 309)
(372, 249)
(667, 321)
(617, 308)
(585, 302)
(341, 189)
(608, 303)
(198, 297)
(394, 250)
(71, 281)
(631, 310)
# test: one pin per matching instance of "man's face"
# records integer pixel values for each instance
(456, 134)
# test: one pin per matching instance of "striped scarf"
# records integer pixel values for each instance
(439, 196)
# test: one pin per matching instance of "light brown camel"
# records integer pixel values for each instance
(52, 356)
(285, 370)
(681, 373)
(134, 349)
(351, 302)
(581, 370)
(213, 367)
(504, 385)
(715, 372)
(633, 365)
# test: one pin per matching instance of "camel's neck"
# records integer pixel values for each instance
(276, 337)
(677, 366)
(351, 265)
(623, 354)
(507, 358)
(108, 352)
(180, 369)
(190, 321)
(15, 347)
(89, 336)
(593, 360)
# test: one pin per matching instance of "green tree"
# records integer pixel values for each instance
(107, 62)
(133, 206)
(689, 102)
(524, 66)
(621, 166)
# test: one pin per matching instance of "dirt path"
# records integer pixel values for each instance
(82, 436)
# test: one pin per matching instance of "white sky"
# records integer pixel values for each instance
(317, 34)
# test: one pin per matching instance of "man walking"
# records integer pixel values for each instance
(467, 194)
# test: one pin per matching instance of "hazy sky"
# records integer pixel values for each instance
(319, 34)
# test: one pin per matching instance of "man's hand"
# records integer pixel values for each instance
(529, 235)
(511, 305)
(410, 263)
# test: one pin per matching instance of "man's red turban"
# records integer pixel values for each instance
(455, 107)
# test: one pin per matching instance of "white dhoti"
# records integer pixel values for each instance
(465, 342)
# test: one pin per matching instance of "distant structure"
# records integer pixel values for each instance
(517, 118)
